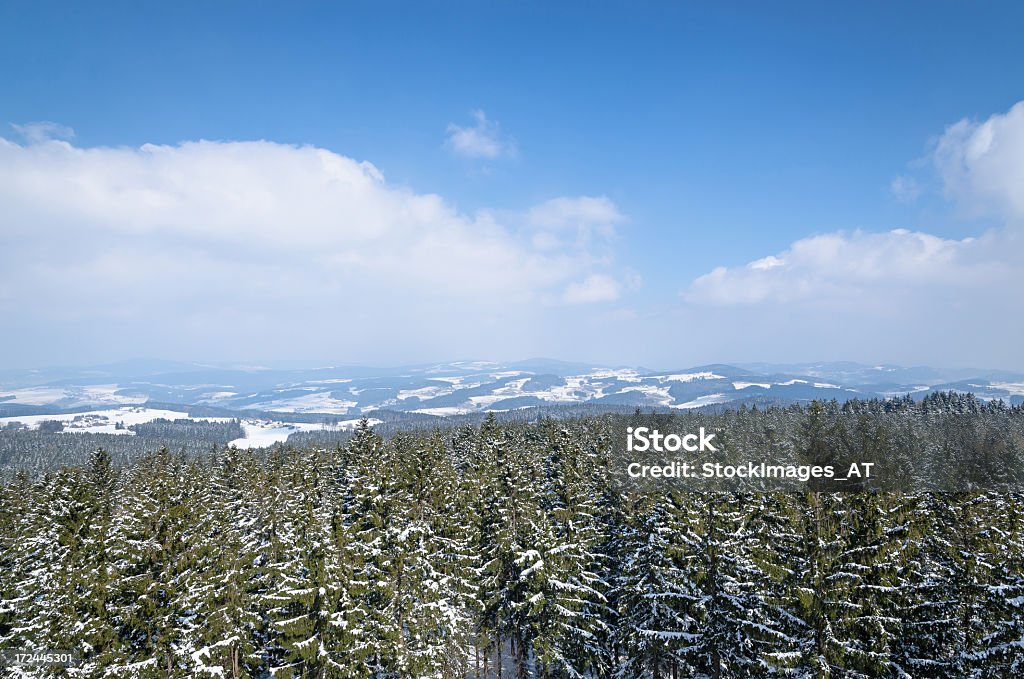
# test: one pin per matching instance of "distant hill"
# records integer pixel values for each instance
(463, 387)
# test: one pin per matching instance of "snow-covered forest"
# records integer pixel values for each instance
(38, 450)
(504, 550)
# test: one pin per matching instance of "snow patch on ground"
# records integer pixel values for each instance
(319, 402)
(258, 433)
(1014, 388)
(624, 374)
(33, 396)
(424, 393)
(659, 393)
(453, 380)
(710, 399)
(509, 390)
(575, 390)
(105, 421)
(91, 395)
(744, 385)
(263, 433)
(910, 390)
(690, 377)
(444, 412)
(105, 393)
(217, 395)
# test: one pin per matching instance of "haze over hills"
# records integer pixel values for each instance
(471, 386)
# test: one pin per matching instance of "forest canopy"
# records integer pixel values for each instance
(450, 553)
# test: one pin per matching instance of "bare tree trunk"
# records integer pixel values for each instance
(499, 654)
(520, 656)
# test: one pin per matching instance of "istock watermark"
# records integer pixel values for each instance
(659, 452)
(644, 439)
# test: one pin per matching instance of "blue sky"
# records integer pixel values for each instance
(721, 134)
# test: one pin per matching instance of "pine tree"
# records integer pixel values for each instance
(567, 608)
(144, 594)
(718, 559)
(227, 580)
(652, 593)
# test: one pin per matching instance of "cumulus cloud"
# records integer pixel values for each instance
(982, 164)
(900, 296)
(848, 267)
(286, 241)
(483, 139)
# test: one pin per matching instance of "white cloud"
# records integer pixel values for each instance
(560, 213)
(42, 131)
(982, 164)
(904, 297)
(295, 245)
(594, 288)
(577, 221)
(481, 140)
(982, 168)
(862, 269)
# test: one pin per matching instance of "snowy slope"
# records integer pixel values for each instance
(349, 392)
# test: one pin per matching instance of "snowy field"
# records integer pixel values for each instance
(263, 433)
(258, 433)
(690, 377)
(105, 394)
(106, 421)
(314, 402)
(708, 400)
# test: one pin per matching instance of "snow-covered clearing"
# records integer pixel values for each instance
(710, 399)
(690, 377)
(317, 402)
(743, 385)
(92, 395)
(263, 433)
(106, 421)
